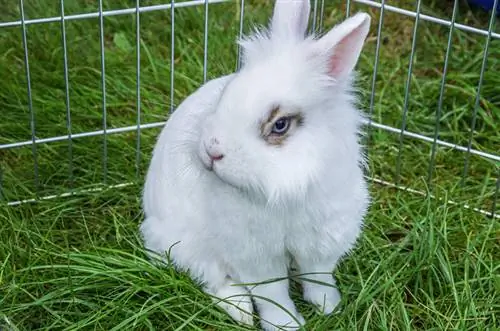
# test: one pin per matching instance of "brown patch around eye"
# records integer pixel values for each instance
(295, 120)
(267, 125)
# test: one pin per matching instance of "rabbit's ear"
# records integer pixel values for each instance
(290, 19)
(343, 44)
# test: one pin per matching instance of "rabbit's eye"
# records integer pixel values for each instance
(281, 126)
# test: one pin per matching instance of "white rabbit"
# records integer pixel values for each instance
(264, 167)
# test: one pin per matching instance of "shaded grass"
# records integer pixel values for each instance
(76, 263)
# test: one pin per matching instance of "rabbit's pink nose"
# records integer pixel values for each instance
(213, 150)
(214, 156)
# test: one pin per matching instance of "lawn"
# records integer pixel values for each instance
(424, 261)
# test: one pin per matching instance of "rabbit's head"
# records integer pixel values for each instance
(286, 120)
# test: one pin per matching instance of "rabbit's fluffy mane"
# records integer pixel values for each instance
(260, 45)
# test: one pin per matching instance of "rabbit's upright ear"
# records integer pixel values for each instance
(290, 19)
(343, 44)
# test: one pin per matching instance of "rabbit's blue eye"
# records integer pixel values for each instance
(281, 126)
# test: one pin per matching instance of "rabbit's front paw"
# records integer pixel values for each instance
(236, 302)
(325, 298)
(239, 310)
(279, 319)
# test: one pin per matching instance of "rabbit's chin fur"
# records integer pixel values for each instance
(262, 207)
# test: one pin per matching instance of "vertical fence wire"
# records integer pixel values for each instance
(495, 196)
(407, 94)
(66, 91)
(240, 33)
(317, 23)
(172, 54)
(321, 15)
(375, 65)
(138, 85)
(30, 98)
(441, 95)
(103, 83)
(348, 8)
(205, 44)
(315, 13)
(478, 92)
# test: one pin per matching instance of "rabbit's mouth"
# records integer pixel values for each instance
(207, 162)
(211, 166)
(209, 158)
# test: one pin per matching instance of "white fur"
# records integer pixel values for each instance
(262, 206)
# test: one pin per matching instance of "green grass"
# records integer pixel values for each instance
(77, 262)
(421, 265)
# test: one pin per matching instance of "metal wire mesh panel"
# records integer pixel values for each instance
(86, 89)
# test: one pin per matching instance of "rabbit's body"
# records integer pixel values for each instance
(235, 200)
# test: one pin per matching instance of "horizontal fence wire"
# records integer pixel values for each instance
(427, 18)
(144, 9)
(317, 25)
(116, 12)
(375, 180)
(124, 129)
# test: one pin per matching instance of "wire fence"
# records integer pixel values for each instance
(318, 14)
